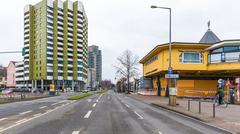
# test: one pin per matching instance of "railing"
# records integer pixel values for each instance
(20, 96)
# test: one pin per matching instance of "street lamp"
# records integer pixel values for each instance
(170, 36)
(172, 99)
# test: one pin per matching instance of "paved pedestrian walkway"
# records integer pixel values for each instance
(225, 117)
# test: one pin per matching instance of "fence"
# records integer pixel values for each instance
(20, 96)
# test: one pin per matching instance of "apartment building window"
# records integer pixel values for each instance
(152, 59)
(49, 73)
(190, 57)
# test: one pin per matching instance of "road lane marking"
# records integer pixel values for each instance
(88, 114)
(159, 132)
(25, 112)
(127, 105)
(20, 121)
(140, 117)
(63, 101)
(2, 119)
(94, 105)
(97, 100)
(54, 104)
(75, 132)
(42, 107)
(26, 120)
(50, 110)
(73, 101)
(57, 107)
(36, 115)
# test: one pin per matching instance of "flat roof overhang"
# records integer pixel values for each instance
(199, 74)
(161, 47)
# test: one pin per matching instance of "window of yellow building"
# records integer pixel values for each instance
(190, 57)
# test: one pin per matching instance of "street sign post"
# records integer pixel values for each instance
(171, 76)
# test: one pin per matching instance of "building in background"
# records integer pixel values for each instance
(11, 74)
(95, 63)
(20, 81)
(199, 65)
(55, 44)
(3, 76)
(91, 78)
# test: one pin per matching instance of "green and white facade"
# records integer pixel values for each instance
(55, 43)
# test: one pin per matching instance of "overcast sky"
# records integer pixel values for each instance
(117, 25)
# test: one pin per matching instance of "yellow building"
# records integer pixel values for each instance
(199, 65)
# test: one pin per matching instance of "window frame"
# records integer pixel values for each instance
(199, 55)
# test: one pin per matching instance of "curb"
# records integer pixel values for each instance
(186, 115)
(165, 107)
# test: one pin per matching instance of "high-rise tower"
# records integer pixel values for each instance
(55, 43)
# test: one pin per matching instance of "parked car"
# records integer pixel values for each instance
(85, 91)
(37, 90)
(8, 91)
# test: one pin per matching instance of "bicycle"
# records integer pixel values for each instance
(224, 102)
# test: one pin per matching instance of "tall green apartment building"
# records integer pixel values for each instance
(55, 43)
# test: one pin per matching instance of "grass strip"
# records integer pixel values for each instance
(80, 96)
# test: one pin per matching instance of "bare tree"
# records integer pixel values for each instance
(127, 66)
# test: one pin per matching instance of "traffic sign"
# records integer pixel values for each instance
(172, 76)
(170, 70)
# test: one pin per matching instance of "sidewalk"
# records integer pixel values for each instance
(226, 118)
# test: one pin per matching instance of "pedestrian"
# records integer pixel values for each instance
(220, 96)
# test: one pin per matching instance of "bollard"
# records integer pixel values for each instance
(188, 105)
(199, 107)
(213, 110)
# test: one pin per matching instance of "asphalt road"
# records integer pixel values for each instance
(109, 113)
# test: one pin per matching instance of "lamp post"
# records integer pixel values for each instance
(170, 35)
(171, 84)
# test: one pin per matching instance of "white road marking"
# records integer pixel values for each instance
(55, 104)
(42, 107)
(36, 115)
(159, 132)
(57, 107)
(23, 120)
(73, 101)
(97, 100)
(25, 112)
(63, 101)
(75, 132)
(127, 105)
(94, 105)
(2, 119)
(59, 102)
(140, 117)
(26, 120)
(50, 110)
(88, 114)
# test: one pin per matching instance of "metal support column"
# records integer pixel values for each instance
(42, 84)
(35, 84)
(72, 85)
